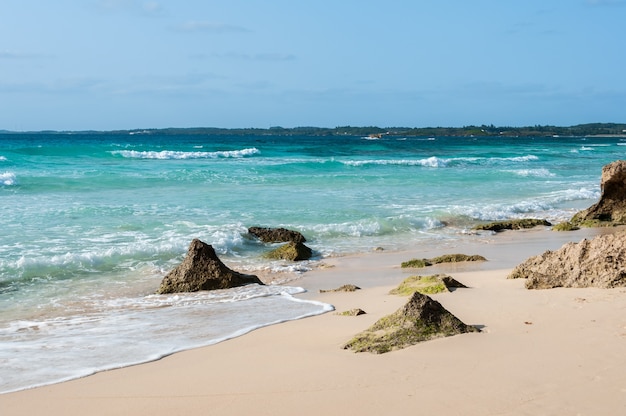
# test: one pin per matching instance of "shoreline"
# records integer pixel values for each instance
(556, 351)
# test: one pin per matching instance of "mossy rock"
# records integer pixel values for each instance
(512, 224)
(428, 285)
(344, 288)
(565, 226)
(416, 263)
(291, 251)
(456, 258)
(420, 319)
(577, 221)
(352, 312)
(447, 258)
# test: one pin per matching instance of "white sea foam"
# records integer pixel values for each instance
(171, 154)
(438, 162)
(112, 333)
(545, 205)
(540, 173)
(7, 179)
(429, 162)
(576, 194)
(3, 159)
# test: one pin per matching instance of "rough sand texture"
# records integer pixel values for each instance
(541, 352)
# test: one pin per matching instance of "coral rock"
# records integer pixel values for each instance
(600, 262)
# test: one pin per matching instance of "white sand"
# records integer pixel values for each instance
(549, 352)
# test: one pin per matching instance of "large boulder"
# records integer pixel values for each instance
(420, 319)
(202, 270)
(599, 262)
(276, 235)
(611, 209)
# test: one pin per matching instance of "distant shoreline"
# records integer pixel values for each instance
(580, 130)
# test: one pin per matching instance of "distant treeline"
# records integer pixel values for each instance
(591, 129)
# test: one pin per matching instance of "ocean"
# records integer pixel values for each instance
(92, 222)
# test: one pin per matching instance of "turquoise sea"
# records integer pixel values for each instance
(90, 224)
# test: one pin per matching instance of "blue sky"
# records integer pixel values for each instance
(123, 64)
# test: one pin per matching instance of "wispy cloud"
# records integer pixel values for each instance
(195, 26)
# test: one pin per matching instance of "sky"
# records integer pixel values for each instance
(127, 64)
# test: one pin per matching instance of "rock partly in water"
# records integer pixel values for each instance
(427, 285)
(421, 319)
(611, 208)
(446, 258)
(599, 262)
(518, 224)
(276, 235)
(291, 251)
(203, 270)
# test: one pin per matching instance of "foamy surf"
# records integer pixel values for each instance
(113, 333)
(180, 155)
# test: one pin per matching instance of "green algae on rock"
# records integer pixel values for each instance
(352, 312)
(517, 224)
(343, 288)
(447, 258)
(291, 251)
(420, 319)
(565, 226)
(428, 285)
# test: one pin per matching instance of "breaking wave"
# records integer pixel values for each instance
(178, 155)
(438, 162)
(7, 179)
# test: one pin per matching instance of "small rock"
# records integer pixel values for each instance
(344, 288)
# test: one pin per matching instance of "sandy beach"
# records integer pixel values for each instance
(548, 352)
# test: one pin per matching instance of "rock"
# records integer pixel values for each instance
(291, 251)
(202, 270)
(352, 312)
(344, 288)
(611, 208)
(512, 224)
(427, 285)
(276, 235)
(565, 226)
(446, 258)
(599, 262)
(420, 319)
